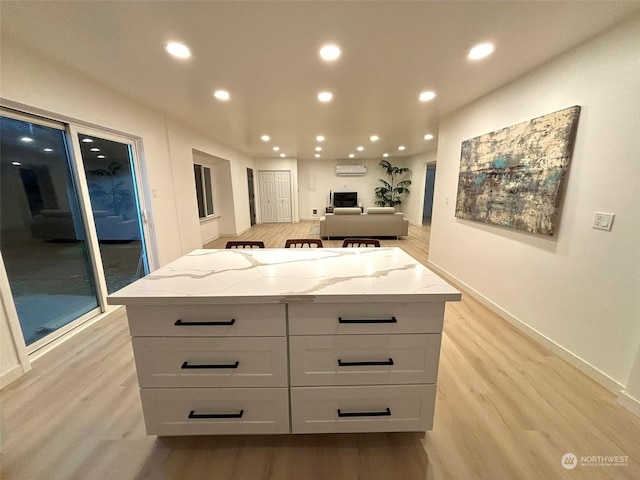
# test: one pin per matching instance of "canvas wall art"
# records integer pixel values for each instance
(513, 177)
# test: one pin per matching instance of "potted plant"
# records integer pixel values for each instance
(388, 195)
(109, 191)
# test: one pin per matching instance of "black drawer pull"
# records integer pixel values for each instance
(180, 323)
(364, 364)
(386, 413)
(371, 320)
(186, 365)
(193, 414)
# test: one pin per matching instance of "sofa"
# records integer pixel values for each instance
(59, 225)
(376, 222)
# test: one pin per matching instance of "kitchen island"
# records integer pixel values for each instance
(287, 341)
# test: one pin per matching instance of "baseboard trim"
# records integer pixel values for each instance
(629, 402)
(212, 239)
(589, 370)
(243, 230)
(10, 375)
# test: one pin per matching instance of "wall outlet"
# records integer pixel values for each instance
(603, 221)
(315, 211)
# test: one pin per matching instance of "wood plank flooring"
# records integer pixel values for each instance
(506, 409)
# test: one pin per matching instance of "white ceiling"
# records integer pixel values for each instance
(266, 54)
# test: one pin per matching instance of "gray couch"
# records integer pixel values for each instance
(59, 225)
(376, 222)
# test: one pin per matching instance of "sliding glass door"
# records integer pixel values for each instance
(110, 176)
(42, 234)
(71, 223)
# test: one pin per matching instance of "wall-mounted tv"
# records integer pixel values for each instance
(345, 199)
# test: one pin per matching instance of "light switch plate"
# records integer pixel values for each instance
(603, 221)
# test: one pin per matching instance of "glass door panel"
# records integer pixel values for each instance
(42, 234)
(110, 175)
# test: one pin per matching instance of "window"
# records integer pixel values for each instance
(203, 190)
(55, 178)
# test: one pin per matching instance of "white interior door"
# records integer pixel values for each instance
(283, 196)
(275, 196)
(266, 184)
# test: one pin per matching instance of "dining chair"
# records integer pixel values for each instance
(303, 242)
(361, 242)
(245, 244)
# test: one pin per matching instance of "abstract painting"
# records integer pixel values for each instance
(513, 177)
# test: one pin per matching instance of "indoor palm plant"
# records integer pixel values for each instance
(388, 195)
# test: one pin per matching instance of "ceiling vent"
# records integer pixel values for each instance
(351, 170)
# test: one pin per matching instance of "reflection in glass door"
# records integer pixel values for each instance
(110, 174)
(42, 234)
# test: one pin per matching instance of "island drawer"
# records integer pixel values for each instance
(364, 359)
(365, 318)
(212, 411)
(211, 361)
(206, 320)
(389, 408)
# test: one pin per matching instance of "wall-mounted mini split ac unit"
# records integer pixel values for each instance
(351, 170)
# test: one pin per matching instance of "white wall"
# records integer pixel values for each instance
(30, 79)
(578, 289)
(36, 84)
(183, 140)
(224, 222)
(168, 143)
(324, 173)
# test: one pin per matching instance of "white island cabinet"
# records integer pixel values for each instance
(287, 341)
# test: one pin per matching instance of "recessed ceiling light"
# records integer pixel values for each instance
(26, 139)
(318, 149)
(94, 149)
(101, 156)
(325, 96)
(481, 50)
(360, 148)
(282, 155)
(401, 147)
(178, 50)
(426, 96)
(385, 155)
(351, 155)
(428, 136)
(17, 164)
(265, 138)
(87, 140)
(275, 149)
(222, 95)
(374, 138)
(317, 155)
(47, 150)
(330, 52)
(320, 138)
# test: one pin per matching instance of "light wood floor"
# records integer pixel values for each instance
(507, 409)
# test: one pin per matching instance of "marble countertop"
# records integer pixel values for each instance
(287, 275)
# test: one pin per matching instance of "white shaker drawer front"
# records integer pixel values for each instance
(363, 318)
(206, 320)
(390, 408)
(210, 411)
(364, 359)
(211, 361)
